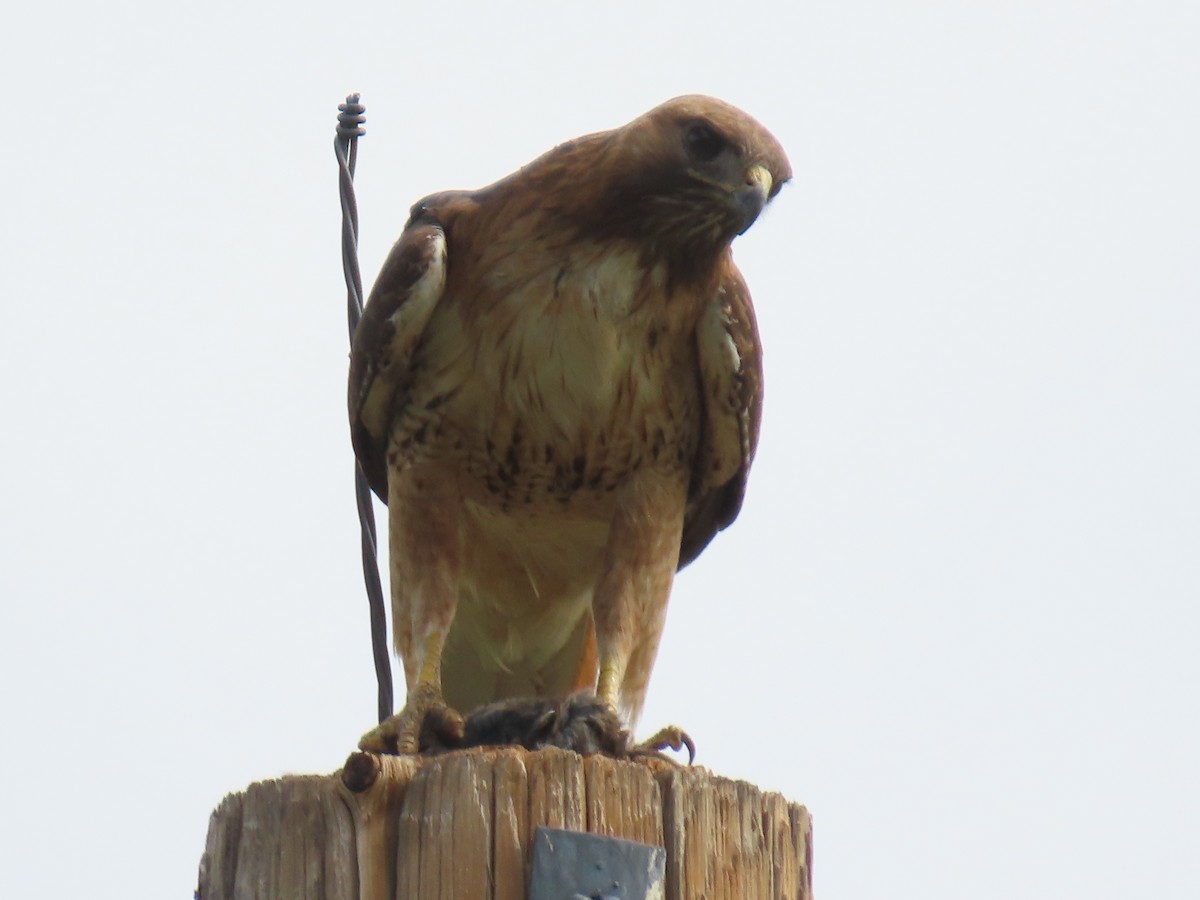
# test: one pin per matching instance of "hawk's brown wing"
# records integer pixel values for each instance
(732, 386)
(405, 293)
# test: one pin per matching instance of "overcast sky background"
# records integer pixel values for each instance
(958, 617)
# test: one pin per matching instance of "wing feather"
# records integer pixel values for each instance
(401, 302)
(730, 358)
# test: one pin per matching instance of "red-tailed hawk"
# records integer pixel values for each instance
(556, 388)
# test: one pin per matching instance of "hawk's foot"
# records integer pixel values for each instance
(672, 737)
(425, 724)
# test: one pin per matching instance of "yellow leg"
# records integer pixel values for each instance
(629, 602)
(431, 656)
(608, 689)
(424, 559)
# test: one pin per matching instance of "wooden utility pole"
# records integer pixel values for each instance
(461, 826)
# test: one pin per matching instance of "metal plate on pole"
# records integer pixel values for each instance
(575, 865)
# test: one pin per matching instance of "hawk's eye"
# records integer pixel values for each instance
(703, 142)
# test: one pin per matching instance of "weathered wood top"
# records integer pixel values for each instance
(461, 826)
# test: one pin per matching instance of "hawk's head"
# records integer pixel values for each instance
(685, 178)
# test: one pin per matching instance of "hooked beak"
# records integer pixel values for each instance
(752, 196)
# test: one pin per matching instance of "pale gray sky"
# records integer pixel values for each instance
(959, 615)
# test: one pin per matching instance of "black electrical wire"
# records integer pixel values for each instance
(351, 118)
